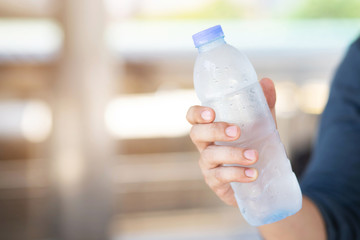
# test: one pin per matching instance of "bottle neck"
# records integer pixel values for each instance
(211, 45)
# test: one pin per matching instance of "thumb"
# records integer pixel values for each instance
(270, 94)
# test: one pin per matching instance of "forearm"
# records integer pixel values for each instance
(305, 224)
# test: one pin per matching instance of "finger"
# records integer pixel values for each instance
(199, 114)
(219, 176)
(270, 94)
(269, 91)
(203, 135)
(226, 194)
(214, 156)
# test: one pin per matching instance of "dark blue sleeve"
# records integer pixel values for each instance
(332, 179)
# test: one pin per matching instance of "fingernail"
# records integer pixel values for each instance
(206, 115)
(250, 154)
(231, 131)
(250, 172)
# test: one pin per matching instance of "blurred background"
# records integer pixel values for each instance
(93, 96)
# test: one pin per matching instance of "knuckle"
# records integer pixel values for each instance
(233, 154)
(236, 154)
(228, 174)
(218, 125)
(213, 130)
(221, 191)
(202, 166)
(218, 175)
(219, 129)
(208, 182)
(212, 127)
(206, 155)
(207, 178)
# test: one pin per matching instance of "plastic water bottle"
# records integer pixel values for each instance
(225, 80)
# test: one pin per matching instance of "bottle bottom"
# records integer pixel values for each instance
(272, 216)
(276, 216)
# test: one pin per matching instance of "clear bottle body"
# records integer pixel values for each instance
(225, 80)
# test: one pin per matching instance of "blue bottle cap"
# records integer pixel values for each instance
(207, 35)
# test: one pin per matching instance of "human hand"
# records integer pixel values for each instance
(205, 132)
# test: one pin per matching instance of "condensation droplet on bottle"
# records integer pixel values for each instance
(276, 171)
(214, 79)
(243, 210)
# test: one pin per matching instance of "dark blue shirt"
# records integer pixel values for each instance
(332, 179)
